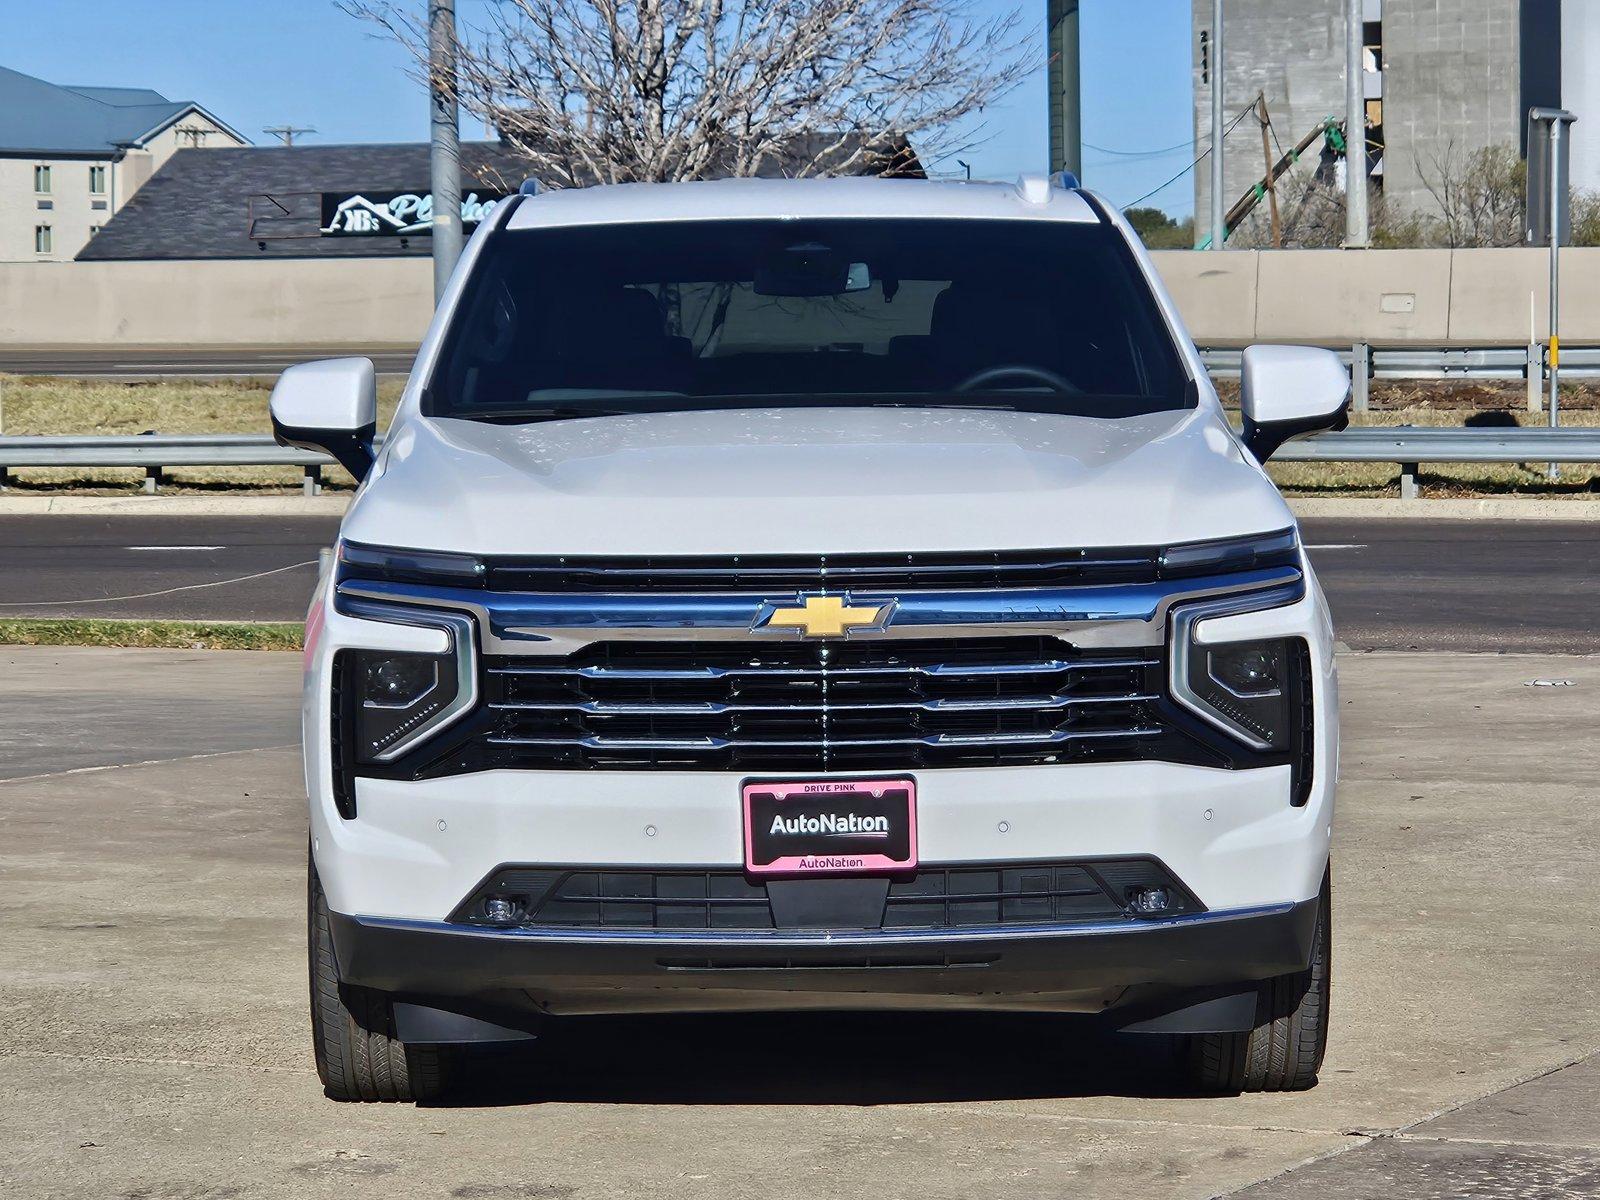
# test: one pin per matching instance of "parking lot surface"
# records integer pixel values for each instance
(154, 1042)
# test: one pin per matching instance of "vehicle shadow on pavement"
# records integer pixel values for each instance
(816, 1058)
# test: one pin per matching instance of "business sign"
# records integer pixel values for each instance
(395, 214)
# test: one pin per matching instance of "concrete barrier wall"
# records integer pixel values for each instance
(356, 302)
(1428, 297)
(1386, 297)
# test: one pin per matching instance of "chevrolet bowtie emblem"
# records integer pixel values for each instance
(825, 616)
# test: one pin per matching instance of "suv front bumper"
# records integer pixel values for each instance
(1138, 969)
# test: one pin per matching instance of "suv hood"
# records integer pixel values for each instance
(812, 480)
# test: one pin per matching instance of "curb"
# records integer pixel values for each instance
(1495, 509)
(327, 505)
(334, 504)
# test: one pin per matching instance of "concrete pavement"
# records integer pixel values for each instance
(154, 1037)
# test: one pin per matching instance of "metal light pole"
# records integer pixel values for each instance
(1548, 220)
(1556, 187)
(444, 152)
(1355, 127)
(1066, 113)
(1218, 209)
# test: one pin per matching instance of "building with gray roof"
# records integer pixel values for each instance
(72, 156)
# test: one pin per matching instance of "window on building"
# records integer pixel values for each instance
(97, 181)
(43, 239)
(41, 180)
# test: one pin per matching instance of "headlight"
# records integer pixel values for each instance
(395, 698)
(1242, 687)
(1251, 690)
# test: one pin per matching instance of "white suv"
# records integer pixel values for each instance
(828, 594)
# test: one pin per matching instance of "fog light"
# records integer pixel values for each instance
(1148, 901)
(500, 909)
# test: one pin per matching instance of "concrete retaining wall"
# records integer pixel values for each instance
(357, 302)
(1387, 297)
(1430, 297)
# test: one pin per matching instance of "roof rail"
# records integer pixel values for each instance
(1065, 179)
(530, 187)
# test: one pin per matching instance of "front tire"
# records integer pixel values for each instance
(1284, 1052)
(352, 1028)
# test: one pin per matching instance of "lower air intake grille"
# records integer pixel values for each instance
(933, 898)
(851, 705)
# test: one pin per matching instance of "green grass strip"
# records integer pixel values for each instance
(170, 635)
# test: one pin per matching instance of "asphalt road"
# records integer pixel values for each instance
(197, 568)
(1519, 586)
(151, 361)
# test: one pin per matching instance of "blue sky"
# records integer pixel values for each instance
(303, 62)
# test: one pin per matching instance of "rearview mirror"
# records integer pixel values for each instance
(1287, 391)
(331, 405)
(810, 269)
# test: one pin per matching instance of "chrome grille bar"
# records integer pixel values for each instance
(646, 709)
(602, 742)
(1046, 667)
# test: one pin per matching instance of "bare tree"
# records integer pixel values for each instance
(1479, 196)
(657, 90)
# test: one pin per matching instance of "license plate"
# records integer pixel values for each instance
(830, 827)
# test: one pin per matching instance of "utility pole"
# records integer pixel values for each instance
(1270, 179)
(287, 133)
(444, 154)
(1066, 111)
(1219, 230)
(1355, 127)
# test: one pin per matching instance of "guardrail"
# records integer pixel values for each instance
(1407, 362)
(157, 452)
(1410, 446)
(1407, 445)
(1527, 363)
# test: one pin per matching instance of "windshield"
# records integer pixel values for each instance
(1037, 315)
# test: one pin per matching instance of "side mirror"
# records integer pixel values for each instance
(331, 405)
(1287, 391)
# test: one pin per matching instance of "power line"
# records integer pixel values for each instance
(1243, 112)
(1184, 145)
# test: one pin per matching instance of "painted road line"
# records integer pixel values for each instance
(174, 547)
(1338, 546)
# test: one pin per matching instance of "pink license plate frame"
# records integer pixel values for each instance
(777, 795)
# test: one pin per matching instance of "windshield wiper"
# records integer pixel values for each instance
(557, 412)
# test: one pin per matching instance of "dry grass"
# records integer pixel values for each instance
(171, 635)
(45, 406)
(58, 406)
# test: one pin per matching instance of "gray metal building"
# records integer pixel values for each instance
(1443, 78)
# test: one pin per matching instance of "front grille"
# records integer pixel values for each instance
(954, 897)
(852, 705)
